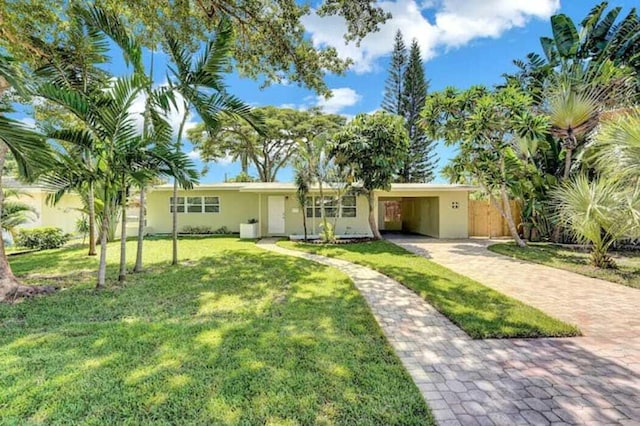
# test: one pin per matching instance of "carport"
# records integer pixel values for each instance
(413, 215)
(430, 209)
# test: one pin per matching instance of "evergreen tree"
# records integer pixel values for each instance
(393, 90)
(420, 162)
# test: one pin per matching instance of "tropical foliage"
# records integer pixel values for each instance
(372, 146)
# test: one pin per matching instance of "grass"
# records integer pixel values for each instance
(480, 311)
(234, 335)
(627, 273)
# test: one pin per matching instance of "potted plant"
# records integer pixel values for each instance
(250, 229)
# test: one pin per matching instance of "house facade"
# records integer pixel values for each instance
(435, 210)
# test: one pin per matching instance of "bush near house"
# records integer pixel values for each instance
(204, 230)
(43, 238)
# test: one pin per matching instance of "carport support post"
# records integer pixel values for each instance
(373, 224)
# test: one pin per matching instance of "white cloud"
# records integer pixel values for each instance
(225, 161)
(341, 98)
(174, 117)
(454, 24)
(194, 154)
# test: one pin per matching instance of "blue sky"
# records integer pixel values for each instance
(464, 42)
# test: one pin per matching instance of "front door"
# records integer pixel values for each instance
(276, 215)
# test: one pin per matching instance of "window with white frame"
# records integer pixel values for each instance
(180, 204)
(348, 206)
(332, 206)
(211, 204)
(195, 204)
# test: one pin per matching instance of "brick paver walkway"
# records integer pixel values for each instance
(522, 381)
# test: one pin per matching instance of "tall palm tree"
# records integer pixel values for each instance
(200, 84)
(76, 66)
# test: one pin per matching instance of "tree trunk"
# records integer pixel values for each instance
(91, 207)
(174, 226)
(174, 229)
(123, 234)
(304, 219)
(8, 282)
(509, 218)
(323, 216)
(567, 163)
(372, 218)
(104, 230)
(141, 215)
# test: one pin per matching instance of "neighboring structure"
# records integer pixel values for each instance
(63, 215)
(436, 210)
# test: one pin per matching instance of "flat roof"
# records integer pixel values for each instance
(290, 187)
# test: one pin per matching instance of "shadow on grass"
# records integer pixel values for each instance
(236, 337)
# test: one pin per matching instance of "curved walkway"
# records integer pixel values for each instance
(504, 382)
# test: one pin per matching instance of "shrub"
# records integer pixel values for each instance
(42, 238)
(222, 231)
(196, 230)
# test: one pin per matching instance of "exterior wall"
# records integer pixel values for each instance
(63, 215)
(235, 208)
(358, 225)
(454, 222)
(432, 215)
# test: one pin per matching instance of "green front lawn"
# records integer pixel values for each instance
(478, 310)
(628, 272)
(234, 335)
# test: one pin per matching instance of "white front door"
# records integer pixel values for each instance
(276, 214)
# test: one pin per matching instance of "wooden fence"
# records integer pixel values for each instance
(486, 221)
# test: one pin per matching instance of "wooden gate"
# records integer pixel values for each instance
(486, 221)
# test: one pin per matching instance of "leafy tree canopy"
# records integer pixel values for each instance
(273, 146)
(270, 40)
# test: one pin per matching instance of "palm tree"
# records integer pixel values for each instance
(75, 66)
(617, 148)
(579, 95)
(303, 181)
(573, 113)
(200, 84)
(600, 212)
(16, 212)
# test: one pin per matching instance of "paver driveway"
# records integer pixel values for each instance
(600, 308)
(587, 380)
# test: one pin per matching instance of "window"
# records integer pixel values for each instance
(196, 205)
(212, 204)
(349, 206)
(180, 204)
(332, 208)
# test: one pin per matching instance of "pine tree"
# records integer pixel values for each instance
(392, 102)
(420, 163)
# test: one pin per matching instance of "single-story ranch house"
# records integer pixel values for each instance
(436, 210)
